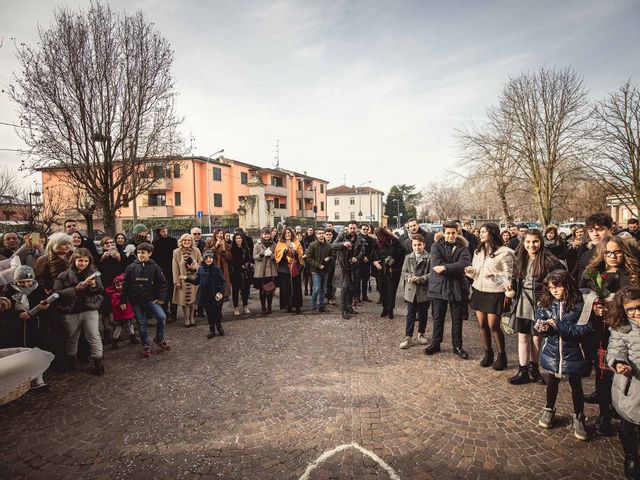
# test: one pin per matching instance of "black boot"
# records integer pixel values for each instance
(212, 332)
(631, 460)
(114, 344)
(487, 359)
(501, 361)
(98, 367)
(521, 377)
(220, 329)
(133, 340)
(603, 426)
(591, 398)
(534, 371)
(345, 314)
(391, 313)
(71, 363)
(384, 313)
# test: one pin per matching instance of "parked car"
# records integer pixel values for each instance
(436, 227)
(564, 229)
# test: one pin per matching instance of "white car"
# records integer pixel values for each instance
(564, 229)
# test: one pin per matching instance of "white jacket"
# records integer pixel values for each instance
(492, 273)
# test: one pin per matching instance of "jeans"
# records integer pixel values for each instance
(346, 296)
(439, 312)
(239, 287)
(141, 311)
(73, 324)
(319, 286)
(420, 309)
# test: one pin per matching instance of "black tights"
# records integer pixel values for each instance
(604, 379)
(576, 392)
(489, 324)
(265, 300)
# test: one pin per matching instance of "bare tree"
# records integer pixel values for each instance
(96, 98)
(8, 182)
(617, 165)
(445, 198)
(550, 119)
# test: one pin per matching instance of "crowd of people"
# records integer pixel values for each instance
(573, 302)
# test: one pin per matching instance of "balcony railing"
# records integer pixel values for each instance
(307, 194)
(160, 211)
(304, 213)
(273, 190)
(281, 212)
(161, 184)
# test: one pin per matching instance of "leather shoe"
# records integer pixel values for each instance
(591, 398)
(459, 351)
(431, 349)
(345, 315)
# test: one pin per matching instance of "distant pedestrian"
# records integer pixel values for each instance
(265, 269)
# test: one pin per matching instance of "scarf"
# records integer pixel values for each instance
(21, 297)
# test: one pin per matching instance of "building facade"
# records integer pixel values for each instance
(204, 189)
(621, 211)
(363, 204)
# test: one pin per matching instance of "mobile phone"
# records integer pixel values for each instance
(35, 238)
(188, 260)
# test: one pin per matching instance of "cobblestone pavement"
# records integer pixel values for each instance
(277, 394)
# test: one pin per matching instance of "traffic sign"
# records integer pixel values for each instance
(199, 213)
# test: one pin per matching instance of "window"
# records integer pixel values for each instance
(322, 188)
(299, 204)
(178, 199)
(300, 185)
(277, 181)
(337, 216)
(158, 171)
(322, 206)
(336, 201)
(352, 216)
(157, 200)
(244, 178)
(176, 170)
(217, 174)
(217, 199)
(352, 200)
(125, 202)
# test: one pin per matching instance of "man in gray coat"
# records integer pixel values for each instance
(415, 273)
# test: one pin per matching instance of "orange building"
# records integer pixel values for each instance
(200, 188)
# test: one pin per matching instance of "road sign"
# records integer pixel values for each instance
(199, 213)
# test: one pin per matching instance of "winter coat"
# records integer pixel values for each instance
(282, 250)
(557, 247)
(114, 297)
(391, 256)
(163, 249)
(450, 285)
(562, 351)
(73, 300)
(143, 282)
(500, 265)
(210, 281)
(316, 254)
(264, 266)
(417, 267)
(15, 332)
(222, 255)
(186, 293)
(48, 268)
(241, 261)
(624, 346)
(429, 238)
(110, 268)
(29, 256)
(345, 269)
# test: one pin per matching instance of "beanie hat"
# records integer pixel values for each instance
(23, 272)
(207, 254)
(139, 228)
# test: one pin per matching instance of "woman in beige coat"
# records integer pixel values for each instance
(186, 259)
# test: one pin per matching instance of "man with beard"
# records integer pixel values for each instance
(163, 247)
(349, 248)
(10, 244)
(70, 227)
(364, 271)
(414, 228)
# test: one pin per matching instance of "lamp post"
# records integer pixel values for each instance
(360, 200)
(398, 217)
(207, 179)
(33, 215)
(315, 209)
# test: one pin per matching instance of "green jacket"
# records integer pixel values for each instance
(316, 254)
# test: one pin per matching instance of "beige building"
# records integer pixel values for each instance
(363, 204)
(621, 211)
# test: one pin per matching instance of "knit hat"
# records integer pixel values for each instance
(207, 254)
(23, 272)
(158, 227)
(139, 228)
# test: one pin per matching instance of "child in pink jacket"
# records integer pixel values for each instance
(122, 314)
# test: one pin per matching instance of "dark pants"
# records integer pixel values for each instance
(330, 293)
(388, 290)
(214, 313)
(604, 380)
(439, 313)
(363, 281)
(420, 309)
(346, 296)
(290, 291)
(628, 435)
(577, 394)
(239, 286)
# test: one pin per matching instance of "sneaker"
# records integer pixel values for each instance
(422, 340)
(146, 351)
(246, 310)
(406, 343)
(162, 344)
(579, 429)
(546, 417)
(236, 311)
(322, 309)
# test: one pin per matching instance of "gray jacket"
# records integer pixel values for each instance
(416, 291)
(624, 346)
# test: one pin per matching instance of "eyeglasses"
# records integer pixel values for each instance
(632, 310)
(612, 253)
(194, 234)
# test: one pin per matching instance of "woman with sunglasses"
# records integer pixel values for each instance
(614, 267)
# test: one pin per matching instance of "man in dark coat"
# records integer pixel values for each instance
(163, 247)
(364, 271)
(633, 227)
(71, 226)
(598, 226)
(515, 241)
(448, 286)
(349, 248)
(413, 228)
(10, 244)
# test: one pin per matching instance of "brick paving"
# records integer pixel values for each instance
(274, 394)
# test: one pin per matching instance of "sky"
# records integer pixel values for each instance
(355, 91)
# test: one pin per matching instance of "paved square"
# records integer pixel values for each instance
(274, 397)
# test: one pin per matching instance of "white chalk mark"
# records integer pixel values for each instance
(326, 455)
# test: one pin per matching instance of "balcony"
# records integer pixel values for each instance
(281, 212)
(160, 211)
(304, 213)
(306, 194)
(161, 184)
(273, 190)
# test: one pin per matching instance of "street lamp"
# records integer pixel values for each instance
(360, 201)
(33, 215)
(207, 179)
(398, 217)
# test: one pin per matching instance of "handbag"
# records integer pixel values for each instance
(294, 269)
(269, 287)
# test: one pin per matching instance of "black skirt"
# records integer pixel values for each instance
(487, 302)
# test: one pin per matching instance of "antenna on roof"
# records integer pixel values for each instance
(277, 157)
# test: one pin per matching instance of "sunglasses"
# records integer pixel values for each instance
(194, 234)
